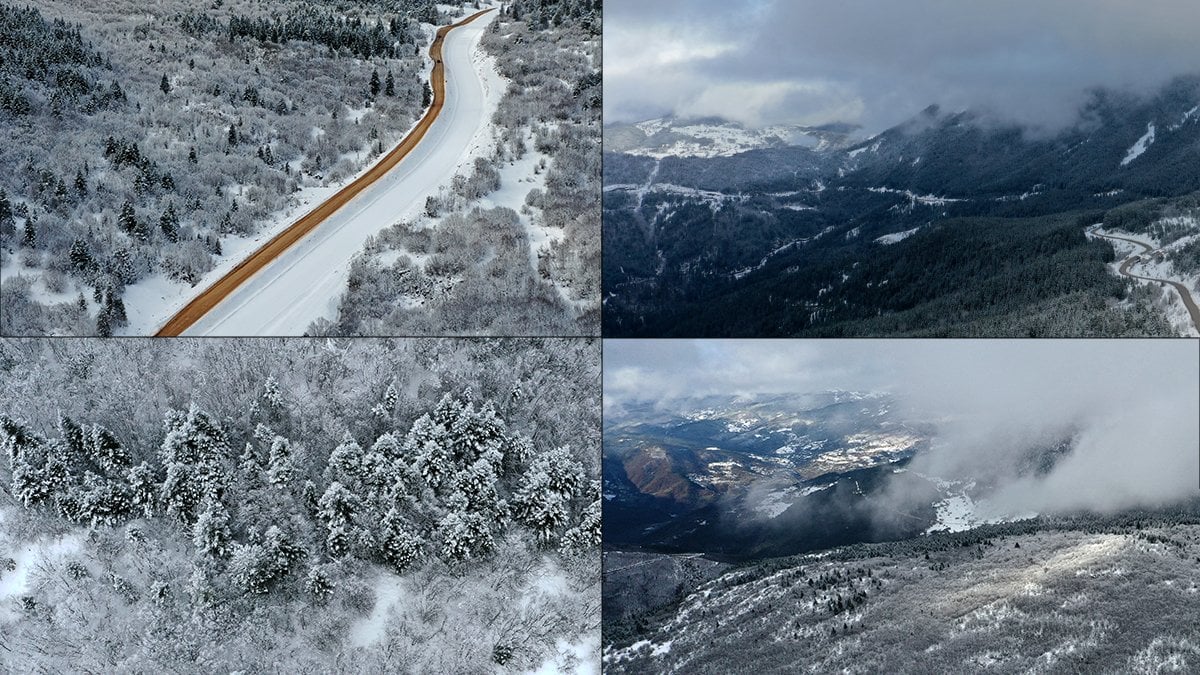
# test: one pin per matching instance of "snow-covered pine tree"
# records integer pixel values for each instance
(337, 509)
(587, 534)
(280, 468)
(345, 462)
(318, 583)
(373, 86)
(194, 454)
(282, 554)
(477, 484)
(543, 500)
(427, 446)
(476, 434)
(15, 439)
(36, 477)
(211, 534)
(399, 546)
(103, 448)
(143, 488)
(517, 453)
(272, 394)
(464, 536)
(249, 467)
(169, 223)
(106, 501)
(388, 447)
(248, 568)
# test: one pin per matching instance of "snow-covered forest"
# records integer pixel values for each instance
(1082, 593)
(299, 506)
(143, 142)
(513, 245)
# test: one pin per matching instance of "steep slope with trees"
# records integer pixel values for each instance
(949, 225)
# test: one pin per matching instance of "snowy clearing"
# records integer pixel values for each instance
(896, 237)
(1141, 146)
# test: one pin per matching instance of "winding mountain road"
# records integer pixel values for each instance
(1146, 248)
(297, 276)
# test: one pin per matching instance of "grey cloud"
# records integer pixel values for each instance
(1131, 405)
(877, 62)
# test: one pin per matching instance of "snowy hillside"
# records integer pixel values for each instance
(672, 137)
(188, 134)
(1019, 598)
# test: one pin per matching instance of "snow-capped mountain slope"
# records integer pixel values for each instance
(714, 137)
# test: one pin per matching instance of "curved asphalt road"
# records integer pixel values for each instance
(296, 276)
(1183, 291)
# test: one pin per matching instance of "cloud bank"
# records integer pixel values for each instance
(877, 62)
(1132, 407)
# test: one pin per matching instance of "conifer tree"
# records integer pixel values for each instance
(280, 469)
(400, 547)
(194, 455)
(346, 462)
(169, 223)
(143, 486)
(211, 534)
(542, 502)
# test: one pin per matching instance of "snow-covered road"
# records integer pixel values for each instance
(305, 282)
(1130, 261)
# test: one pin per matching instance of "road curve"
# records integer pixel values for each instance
(223, 288)
(1184, 294)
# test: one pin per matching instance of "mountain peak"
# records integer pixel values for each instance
(716, 137)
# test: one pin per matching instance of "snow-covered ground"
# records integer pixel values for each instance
(896, 237)
(914, 198)
(27, 555)
(389, 591)
(716, 140)
(398, 595)
(578, 658)
(1151, 266)
(304, 283)
(958, 511)
(1141, 146)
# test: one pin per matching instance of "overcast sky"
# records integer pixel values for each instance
(877, 62)
(1131, 403)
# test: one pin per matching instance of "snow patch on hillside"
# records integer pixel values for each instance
(1187, 117)
(896, 237)
(775, 503)
(1141, 146)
